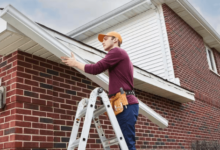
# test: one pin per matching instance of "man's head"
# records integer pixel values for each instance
(110, 40)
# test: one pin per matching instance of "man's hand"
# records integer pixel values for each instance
(70, 61)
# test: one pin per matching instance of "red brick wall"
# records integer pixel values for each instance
(42, 97)
(190, 60)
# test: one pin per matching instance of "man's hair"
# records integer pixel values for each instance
(119, 43)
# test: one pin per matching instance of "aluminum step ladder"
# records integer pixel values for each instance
(86, 107)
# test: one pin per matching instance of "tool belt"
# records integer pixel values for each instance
(119, 100)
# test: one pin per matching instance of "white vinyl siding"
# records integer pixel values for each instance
(142, 40)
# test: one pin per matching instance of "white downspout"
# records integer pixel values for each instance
(161, 37)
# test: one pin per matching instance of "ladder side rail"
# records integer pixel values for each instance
(76, 124)
(88, 119)
(114, 121)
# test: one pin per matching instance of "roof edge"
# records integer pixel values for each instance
(199, 18)
(103, 17)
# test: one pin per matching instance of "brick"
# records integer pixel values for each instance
(32, 83)
(38, 68)
(58, 79)
(60, 122)
(47, 97)
(71, 92)
(39, 79)
(31, 94)
(46, 145)
(38, 90)
(20, 137)
(58, 89)
(31, 144)
(4, 125)
(6, 67)
(64, 76)
(76, 79)
(60, 145)
(13, 117)
(45, 75)
(14, 104)
(45, 65)
(13, 92)
(46, 120)
(31, 119)
(59, 133)
(12, 144)
(3, 63)
(38, 125)
(32, 61)
(4, 139)
(24, 75)
(31, 71)
(12, 130)
(66, 128)
(38, 138)
(24, 64)
(31, 131)
(86, 81)
(46, 132)
(21, 111)
(52, 72)
(59, 111)
(44, 108)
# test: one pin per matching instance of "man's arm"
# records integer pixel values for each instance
(111, 59)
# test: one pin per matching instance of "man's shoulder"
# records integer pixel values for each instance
(119, 50)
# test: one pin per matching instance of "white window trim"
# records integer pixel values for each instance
(212, 60)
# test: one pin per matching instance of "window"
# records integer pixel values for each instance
(211, 60)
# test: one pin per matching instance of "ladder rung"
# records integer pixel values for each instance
(99, 111)
(111, 141)
(75, 143)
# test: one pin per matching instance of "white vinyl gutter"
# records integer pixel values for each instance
(35, 32)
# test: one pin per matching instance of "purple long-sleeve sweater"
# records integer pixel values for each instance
(120, 70)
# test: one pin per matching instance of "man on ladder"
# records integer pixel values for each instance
(120, 70)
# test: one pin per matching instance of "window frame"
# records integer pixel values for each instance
(211, 62)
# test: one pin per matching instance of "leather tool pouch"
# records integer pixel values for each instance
(118, 101)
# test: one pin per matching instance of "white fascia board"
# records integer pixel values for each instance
(35, 32)
(165, 89)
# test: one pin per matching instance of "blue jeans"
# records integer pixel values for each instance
(127, 120)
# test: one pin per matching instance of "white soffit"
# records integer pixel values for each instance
(192, 17)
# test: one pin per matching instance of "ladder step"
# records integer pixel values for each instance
(111, 141)
(97, 112)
